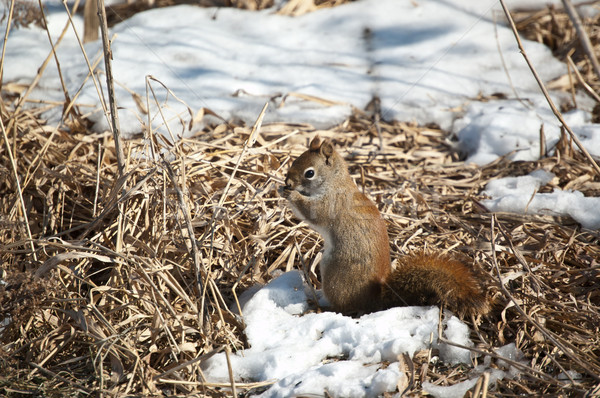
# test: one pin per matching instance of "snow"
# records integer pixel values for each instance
(457, 390)
(309, 353)
(425, 59)
(519, 194)
(570, 374)
(501, 370)
(299, 349)
(429, 61)
(488, 130)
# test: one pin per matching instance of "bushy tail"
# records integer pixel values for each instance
(433, 279)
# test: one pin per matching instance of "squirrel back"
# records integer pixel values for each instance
(356, 272)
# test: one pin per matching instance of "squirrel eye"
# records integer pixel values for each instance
(309, 173)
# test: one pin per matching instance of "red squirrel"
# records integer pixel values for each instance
(356, 271)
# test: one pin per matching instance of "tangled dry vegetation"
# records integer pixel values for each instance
(556, 29)
(116, 286)
(120, 11)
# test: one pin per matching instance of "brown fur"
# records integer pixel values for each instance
(355, 269)
(426, 279)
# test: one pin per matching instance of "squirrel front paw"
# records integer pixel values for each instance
(285, 191)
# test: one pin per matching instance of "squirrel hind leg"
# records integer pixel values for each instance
(349, 297)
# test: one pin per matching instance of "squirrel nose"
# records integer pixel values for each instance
(288, 183)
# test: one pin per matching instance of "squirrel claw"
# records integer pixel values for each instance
(284, 191)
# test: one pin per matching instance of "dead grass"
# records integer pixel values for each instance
(554, 28)
(121, 11)
(27, 12)
(118, 299)
(115, 304)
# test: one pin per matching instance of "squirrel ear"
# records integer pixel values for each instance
(315, 144)
(327, 149)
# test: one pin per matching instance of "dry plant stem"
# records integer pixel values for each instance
(583, 36)
(116, 130)
(130, 382)
(235, 285)
(411, 368)
(542, 142)
(8, 23)
(545, 91)
(566, 350)
(230, 371)
(477, 389)
(306, 272)
(247, 386)
(486, 382)
(148, 130)
(159, 108)
(37, 78)
(188, 222)
(54, 375)
(30, 175)
(249, 142)
(193, 245)
(90, 22)
(91, 68)
(189, 363)
(581, 81)
(572, 86)
(19, 192)
(60, 75)
(518, 365)
(504, 66)
(97, 180)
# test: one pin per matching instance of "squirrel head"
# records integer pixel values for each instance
(311, 171)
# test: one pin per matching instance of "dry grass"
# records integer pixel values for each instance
(121, 11)
(114, 303)
(554, 28)
(116, 298)
(28, 12)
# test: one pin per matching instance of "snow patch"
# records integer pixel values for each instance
(519, 195)
(309, 353)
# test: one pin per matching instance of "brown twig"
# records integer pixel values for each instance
(8, 24)
(582, 34)
(91, 68)
(230, 371)
(38, 76)
(56, 61)
(192, 243)
(545, 91)
(116, 129)
(18, 188)
(581, 80)
(564, 349)
(59, 377)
